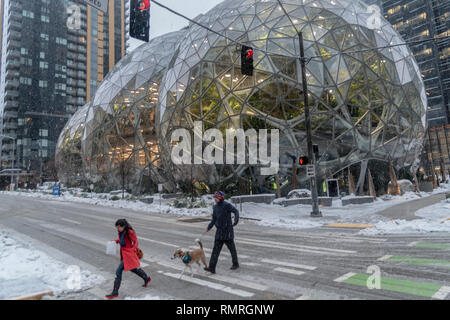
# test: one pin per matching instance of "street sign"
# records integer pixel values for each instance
(160, 188)
(101, 5)
(56, 190)
(310, 171)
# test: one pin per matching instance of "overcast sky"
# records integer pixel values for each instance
(163, 21)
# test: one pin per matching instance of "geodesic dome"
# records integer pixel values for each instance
(69, 155)
(120, 137)
(366, 103)
(366, 96)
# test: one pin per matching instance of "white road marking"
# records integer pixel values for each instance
(71, 221)
(345, 277)
(289, 271)
(288, 264)
(292, 247)
(442, 293)
(384, 258)
(235, 281)
(250, 264)
(159, 242)
(303, 298)
(212, 285)
(224, 252)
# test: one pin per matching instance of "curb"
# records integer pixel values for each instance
(34, 296)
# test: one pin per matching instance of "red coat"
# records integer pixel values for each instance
(128, 253)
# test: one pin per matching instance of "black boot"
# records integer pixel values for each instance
(210, 270)
(141, 273)
(115, 292)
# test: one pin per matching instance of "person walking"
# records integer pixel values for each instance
(129, 260)
(222, 220)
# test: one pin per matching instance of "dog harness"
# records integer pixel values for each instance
(187, 258)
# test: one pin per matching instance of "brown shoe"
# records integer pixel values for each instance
(234, 267)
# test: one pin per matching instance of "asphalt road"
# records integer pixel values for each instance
(319, 263)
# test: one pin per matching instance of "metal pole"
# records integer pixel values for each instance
(315, 201)
(12, 163)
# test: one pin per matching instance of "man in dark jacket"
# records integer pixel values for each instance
(224, 234)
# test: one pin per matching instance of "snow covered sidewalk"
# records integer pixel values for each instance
(25, 270)
(435, 218)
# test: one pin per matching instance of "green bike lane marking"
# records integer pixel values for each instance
(431, 245)
(416, 261)
(428, 290)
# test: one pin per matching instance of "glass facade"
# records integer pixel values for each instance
(366, 103)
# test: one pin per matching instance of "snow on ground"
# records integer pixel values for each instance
(147, 297)
(25, 270)
(435, 218)
(274, 215)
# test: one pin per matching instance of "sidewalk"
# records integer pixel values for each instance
(407, 210)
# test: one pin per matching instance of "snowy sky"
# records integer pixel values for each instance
(162, 21)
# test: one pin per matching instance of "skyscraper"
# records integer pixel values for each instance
(54, 54)
(423, 19)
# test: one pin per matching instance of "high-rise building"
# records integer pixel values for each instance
(423, 19)
(54, 54)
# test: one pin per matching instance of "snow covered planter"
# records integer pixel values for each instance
(299, 193)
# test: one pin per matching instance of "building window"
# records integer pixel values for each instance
(28, 14)
(43, 84)
(25, 80)
(43, 65)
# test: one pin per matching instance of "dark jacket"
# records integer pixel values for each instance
(221, 218)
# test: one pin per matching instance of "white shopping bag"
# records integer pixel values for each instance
(111, 248)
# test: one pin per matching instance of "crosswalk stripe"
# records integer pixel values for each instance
(288, 264)
(70, 221)
(384, 258)
(159, 242)
(442, 293)
(289, 271)
(303, 298)
(212, 285)
(235, 281)
(345, 277)
(292, 247)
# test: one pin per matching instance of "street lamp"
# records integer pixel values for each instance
(14, 152)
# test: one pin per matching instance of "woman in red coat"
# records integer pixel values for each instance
(129, 261)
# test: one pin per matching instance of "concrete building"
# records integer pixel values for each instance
(54, 55)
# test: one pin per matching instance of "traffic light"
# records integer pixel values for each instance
(303, 161)
(140, 20)
(247, 61)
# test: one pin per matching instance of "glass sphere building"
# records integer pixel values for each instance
(365, 91)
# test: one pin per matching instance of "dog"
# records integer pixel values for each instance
(191, 257)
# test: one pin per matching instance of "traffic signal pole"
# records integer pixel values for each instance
(315, 200)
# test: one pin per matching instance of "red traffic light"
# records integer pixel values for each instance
(249, 54)
(303, 161)
(144, 5)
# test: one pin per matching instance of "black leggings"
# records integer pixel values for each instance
(120, 269)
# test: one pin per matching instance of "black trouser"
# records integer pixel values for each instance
(218, 244)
